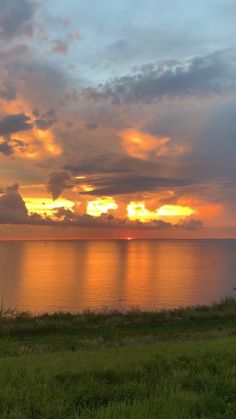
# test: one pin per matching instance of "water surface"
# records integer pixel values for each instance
(149, 274)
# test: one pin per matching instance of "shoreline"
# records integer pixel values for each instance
(137, 365)
(116, 327)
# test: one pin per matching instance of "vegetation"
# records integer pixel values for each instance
(140, 365)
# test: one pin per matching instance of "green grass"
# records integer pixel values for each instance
(167, 365)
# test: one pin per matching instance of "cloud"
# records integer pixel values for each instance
(121, 185)
(144, 145)
(6, 148)
(12, 206)
(60, 47)
(8, 92)
(58, 182)
(44, 124)
(190, 224)
(201, 75)
(14, 123)
(13, 211)
(113, 164)
(16, 18)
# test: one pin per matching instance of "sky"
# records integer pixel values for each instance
(117, 119)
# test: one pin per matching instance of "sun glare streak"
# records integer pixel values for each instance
(101, 206)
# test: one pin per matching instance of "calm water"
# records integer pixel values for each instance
(150, 274)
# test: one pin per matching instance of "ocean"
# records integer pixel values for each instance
(73, 276)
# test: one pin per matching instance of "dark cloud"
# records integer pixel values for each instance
(206, 75)
(132, 184)
(190, 224)
(115, 175)
(99, 165)
(64, 214)
(44, 124)
(6, 148)
(112, 163)
(16, 18)
(68, 218)
(58, 182)
(14, 123)
(36, 113)
(12, 206)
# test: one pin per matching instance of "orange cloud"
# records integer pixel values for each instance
(33, 144)
(207, 211)
(140, 145)
(36, 144)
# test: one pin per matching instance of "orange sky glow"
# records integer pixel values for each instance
(107, 135)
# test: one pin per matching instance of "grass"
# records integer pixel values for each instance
(167, 365)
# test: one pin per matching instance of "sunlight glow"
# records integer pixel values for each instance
(174, 211)
(46, 206)
(87, 188)
(138, 211)
(141, 145)
(101, 206)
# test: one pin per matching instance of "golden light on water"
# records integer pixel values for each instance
(101, 206)
(144, 274)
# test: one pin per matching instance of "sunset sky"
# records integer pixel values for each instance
(117, 119)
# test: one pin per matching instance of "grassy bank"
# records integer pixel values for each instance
(171, 364)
